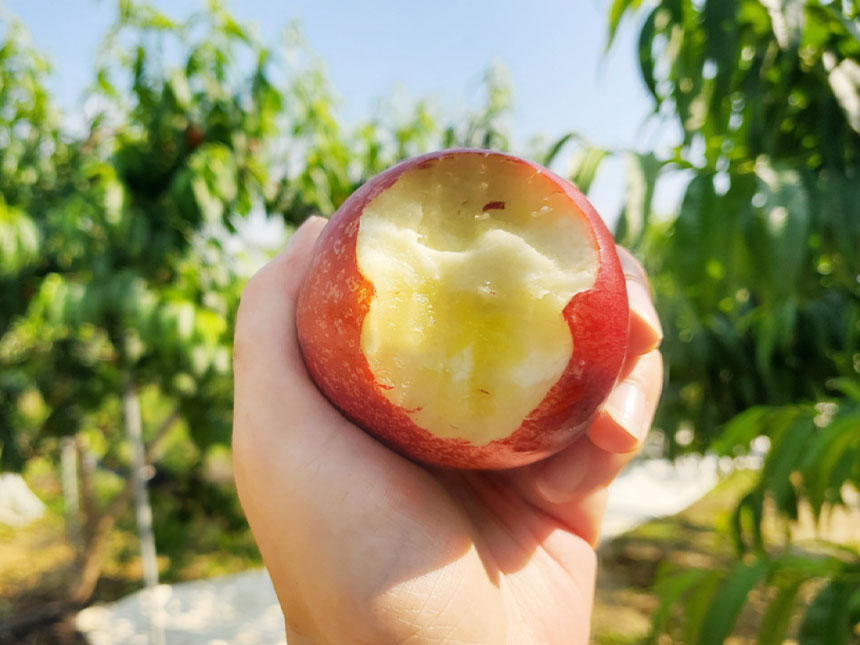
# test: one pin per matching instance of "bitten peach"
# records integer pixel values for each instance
(467, 308)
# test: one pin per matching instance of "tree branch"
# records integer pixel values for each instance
(94, 557)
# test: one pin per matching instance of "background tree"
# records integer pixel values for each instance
(758, 283)
(120, 274)
(116, 280)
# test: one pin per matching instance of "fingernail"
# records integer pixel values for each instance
(633, 269)
(642, 305)
(311, 222)
(626, 406)
(308, 225)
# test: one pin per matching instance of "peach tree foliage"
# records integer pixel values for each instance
(113, 267)
(112, 247)
(113, 271)
(757, 280)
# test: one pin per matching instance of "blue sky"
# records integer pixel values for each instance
(554, 50)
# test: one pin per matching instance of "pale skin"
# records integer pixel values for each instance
(365, 546)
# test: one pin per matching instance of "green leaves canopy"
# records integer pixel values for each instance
(757, 277)
(115, 239)
(757, 280)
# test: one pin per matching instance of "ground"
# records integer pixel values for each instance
(699, 536)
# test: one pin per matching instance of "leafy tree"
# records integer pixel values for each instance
(758, 282)
(117, 278)
(30, 144)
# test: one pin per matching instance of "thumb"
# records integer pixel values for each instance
(282, 424)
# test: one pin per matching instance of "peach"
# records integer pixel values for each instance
(467, 308)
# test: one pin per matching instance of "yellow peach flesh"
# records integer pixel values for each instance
(473, 260)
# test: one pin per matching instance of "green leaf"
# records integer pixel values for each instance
(785, 220)
(699, 248)
(844, 80)
(820, 464)
(851, 26)
(741, 430)
(750, 510)
(584, 166)
(787, 20)
(103, 82)
(729, 600)
(854, 606)
(697, 603)
(775, 623)
(670, 587)
(555, 148)
(213, 180)
(181, 91)
(643, 170)
(19, 240)
(210, 326)
(719, 19)
(826, 621)
(789, 445)
(234, 29)
(646, 54)
(616, 12)
(797, 564)
(848, 386)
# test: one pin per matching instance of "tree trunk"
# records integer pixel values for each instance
(93, 560)
(86, 470)
(71, 509)
(96, 549)
(143, 512)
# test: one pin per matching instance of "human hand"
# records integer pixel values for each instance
(365, 546)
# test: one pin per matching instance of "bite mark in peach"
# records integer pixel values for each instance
(467, 308)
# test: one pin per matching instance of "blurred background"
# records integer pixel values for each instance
(153, 156)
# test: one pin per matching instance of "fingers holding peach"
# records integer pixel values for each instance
(614, 437)
(630, 407)
(571, 485)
